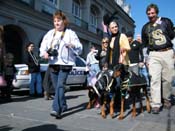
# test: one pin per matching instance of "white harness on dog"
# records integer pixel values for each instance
(109, 81)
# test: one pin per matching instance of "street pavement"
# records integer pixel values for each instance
(25, 113)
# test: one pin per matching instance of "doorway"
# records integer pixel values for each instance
(14, 37)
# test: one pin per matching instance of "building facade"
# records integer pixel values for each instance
(29, 20)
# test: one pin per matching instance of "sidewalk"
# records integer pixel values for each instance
(27, 114)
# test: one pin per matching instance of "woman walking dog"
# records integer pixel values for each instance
(60, 46)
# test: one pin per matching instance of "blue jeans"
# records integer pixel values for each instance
(58, 80)
(117, 86)
(144, 72)
(94, 69)
(173, 83)
(35, 78)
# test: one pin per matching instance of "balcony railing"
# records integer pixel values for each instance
(84, 25)
(80, 23)
(48, 7)
(96, 30)
(99, 32)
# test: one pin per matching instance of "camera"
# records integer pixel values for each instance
(52, 52)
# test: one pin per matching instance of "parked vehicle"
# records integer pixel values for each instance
(22, 77)
(77, 77)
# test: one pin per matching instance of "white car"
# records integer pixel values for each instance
(22, 78)
(77, 77)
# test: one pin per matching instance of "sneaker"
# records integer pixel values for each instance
(155, 110)
(167, 104)
(97, 105)
(46, 95)
(55, 114)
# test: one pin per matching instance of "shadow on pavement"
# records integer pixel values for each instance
(74, 109)
(16, 99)
(73, 96)
(5, 128)
(47, 127)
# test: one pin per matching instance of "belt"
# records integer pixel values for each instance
(162, 50)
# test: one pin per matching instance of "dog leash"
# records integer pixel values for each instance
(108, 87)
(125, 85)
(96, 90)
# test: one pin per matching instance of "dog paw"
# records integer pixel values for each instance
(120, 117)
(88, 106)
(112, 116)
(103, 116)
(134, 115)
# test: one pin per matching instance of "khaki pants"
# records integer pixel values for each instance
(161, 69)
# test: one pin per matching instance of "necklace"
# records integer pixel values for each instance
(34, 58)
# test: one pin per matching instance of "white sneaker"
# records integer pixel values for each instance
(53, 113)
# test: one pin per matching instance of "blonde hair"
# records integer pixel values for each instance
(105, 39)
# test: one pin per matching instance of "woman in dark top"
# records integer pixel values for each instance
(101, 56)
(34, 70)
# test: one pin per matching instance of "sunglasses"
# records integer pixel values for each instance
(104, 42)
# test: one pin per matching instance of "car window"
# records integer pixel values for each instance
(79, 62)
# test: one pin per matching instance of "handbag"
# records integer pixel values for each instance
(3, 82)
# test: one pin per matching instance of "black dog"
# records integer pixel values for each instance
(100, 89)
(132, 84)
(105, 89)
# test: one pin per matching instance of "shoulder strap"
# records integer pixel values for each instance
(62, 36)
